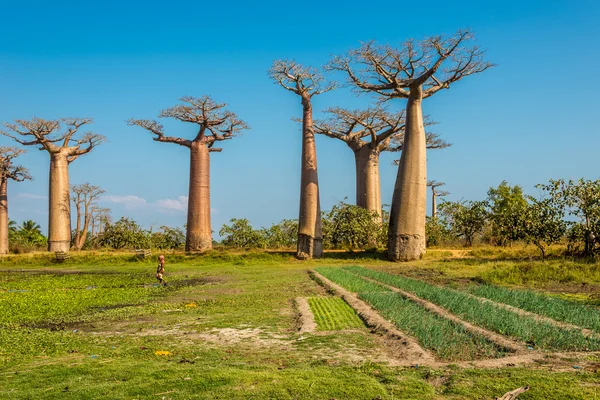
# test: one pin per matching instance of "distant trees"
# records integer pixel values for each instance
(215, 124)
(508, 210)
(465, 219)
(368, 133)
(305, 82)
(84, 197)
(64, 147)
(435, 194)
(8, 171)
(414, 71)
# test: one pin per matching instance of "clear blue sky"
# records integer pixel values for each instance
(532, 118)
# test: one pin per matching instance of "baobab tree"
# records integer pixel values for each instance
(64, 148)
(435, 194)
(215, 124)
(306, 82)
(84, 198)
(368, 133)
(414, 71)
(17, 173)
(100, 217)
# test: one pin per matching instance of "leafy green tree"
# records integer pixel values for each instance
(544, 222)
(351, 226)
(582, 201)
(169, 238)
(241, 234)
(465, 219)
(125, 233)
(437, 232)
(507, 211)
(283, 235)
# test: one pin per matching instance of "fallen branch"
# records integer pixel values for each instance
(513, 394)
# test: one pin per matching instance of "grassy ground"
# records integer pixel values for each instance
(225, 327)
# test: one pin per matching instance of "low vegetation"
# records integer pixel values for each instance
(548, 306)
(450, 341)
(535, 333)
(332, 313)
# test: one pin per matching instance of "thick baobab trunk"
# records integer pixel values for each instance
(3, 215)
(406, 238)
(310, 237)
(368, 189)
(199, 234)
(433, 206)
(59, 221)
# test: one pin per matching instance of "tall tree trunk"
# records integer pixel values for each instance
(3, 215)
(406, 238)
(59, 219)
(368, 182)
(433, 206)
(310, 237)
(78, 223)
(86, 224)
(199, 234)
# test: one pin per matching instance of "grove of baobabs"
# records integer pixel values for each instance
(411, 73)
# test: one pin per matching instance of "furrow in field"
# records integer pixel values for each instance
(492, 316)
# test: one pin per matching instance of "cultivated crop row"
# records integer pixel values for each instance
(536, 333)
(332, 313)
(450, 341)
(552, 307)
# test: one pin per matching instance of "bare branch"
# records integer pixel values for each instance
(432, 64)
(353, 126)
(157, 129)
(304, 81)
(10, 171)
(215, 122)
(46, 135)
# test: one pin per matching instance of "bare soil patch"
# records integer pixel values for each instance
(306, 319)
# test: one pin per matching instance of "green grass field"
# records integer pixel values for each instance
(225, 327)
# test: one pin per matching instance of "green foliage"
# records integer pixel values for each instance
(450, 341)
(543, 223)
(437, 232)
(465, 219)
(283, 235)
(25, 238)
(125, 233)
(507, 210)
(169, 238)
(241, 234)
(352, 227)
(490, 316)
(582, 201)
(332, 313)
(542, 304)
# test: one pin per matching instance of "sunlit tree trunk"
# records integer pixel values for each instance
(78, 223)
(86, 225)
(310, 239)
(59, 221)
(199, 234)
(406, 238)
(368, 187)
(3, 215)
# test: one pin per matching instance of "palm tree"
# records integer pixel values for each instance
(12, 226)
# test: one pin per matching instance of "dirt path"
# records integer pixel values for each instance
(306, 318)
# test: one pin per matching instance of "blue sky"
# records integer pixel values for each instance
(530, 119)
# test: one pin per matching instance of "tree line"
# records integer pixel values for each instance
(411, 72)
(565, 211)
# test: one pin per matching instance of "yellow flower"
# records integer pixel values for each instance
(191, 305)
(162, 353)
